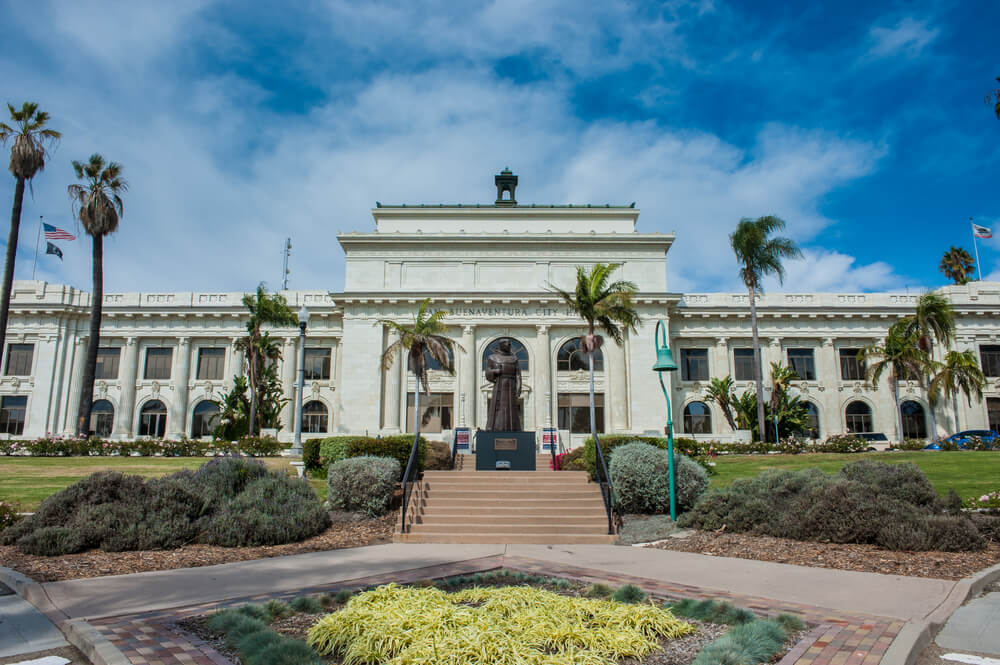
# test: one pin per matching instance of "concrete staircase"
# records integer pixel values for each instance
(542, 506)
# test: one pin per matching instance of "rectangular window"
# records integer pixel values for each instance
(12, 409)
(435, 411)
(107, 363)
(743, 364)
(694, 364)
(801, 360)
(317, 365)
(574, 412)
(158, 363)
(19, 359)
(211, 364)
(851, 367)
(993, 413)
(989, 356)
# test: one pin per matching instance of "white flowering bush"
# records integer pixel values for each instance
(989, 503)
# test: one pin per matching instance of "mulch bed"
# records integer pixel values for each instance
(345, 532)
(864, 558)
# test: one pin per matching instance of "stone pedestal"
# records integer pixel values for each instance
(515, 451)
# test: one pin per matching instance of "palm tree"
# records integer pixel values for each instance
(957, 265)
(900, 357)
(720, 391)
(959, 373)
(994, 98)
(27, 157)
(98, 205)
(264, 309)
(599, 301)
(934, 319)
(425, 337)
(760, 255)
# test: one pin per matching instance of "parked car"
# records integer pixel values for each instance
(962, 439)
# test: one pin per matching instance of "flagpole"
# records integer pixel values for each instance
(976, 245)
(37, 237)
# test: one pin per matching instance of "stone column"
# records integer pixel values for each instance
(390, 409)
(235, 358)
(75, 386)
(127, 377)
(543, 373)
(719, 365)
(289, 360)
(614, 397)
(178, 411)
(467, 382)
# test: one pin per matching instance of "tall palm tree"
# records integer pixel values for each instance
(98, 205)
(720, 391)
(781, 379)
(258, 346)
(899, 357)
(425, 337)
(994, 98)
(760, 255)
(957, 265)
(27, 157)
(934, 319)
(601, 302)
(959, 373)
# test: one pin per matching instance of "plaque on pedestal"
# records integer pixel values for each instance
(505, 451)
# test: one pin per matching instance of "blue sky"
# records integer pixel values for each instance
(862, 124)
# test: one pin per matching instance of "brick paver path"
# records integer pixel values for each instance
(836, 638)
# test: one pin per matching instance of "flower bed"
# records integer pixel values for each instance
(256, 446)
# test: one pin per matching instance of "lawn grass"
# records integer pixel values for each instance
(970, 473)
(26, 481)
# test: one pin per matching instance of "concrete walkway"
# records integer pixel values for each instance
(23, 629)
(903, 598)
(974, 627)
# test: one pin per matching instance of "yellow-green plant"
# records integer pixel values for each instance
(395, 625)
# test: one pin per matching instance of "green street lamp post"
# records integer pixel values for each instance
(665, 363)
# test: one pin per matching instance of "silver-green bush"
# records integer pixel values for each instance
(363, 484)
(640, 476)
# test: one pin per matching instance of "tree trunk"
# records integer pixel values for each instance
(90, 368)
(899, 414)
(933, 433)
(757, 372)
(252, 376)
(8, 266)
(954, 405)
(593, 416)
(416, 406)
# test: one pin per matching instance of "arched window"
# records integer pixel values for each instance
(205, 419)
(914, 422)
(859, 417)
(102, 418)
(697, 418)
(812, 412)
(432, 363)
(515, 347)
(315, 417)
(570, 358)
(153, 419)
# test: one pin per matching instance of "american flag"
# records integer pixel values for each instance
(54, 233)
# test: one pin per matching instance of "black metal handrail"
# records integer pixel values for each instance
(409, 479)
(604, 479)
(552, 449)
(454, 449)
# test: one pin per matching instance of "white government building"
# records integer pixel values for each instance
(165, 356)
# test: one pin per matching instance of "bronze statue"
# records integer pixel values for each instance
(503, 370)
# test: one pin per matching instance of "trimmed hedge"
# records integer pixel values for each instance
(363, 484)
(336, 448)
(255, 446)
(310, 454)
(228, 501)
(893, 506)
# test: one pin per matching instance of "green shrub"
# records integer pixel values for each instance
(790, 622)
(609, 443)
(285, 652)
(333, 449)
(598, 591)
(8, 515)
(52, 541)
(363, 484)
(572, 460)
(640, 476)
(255, 611)
(310, 454)
(629, 593)
(911, 444)
(307, 605)
(343, 596)
(842, 443)
(714, 611)
(277, 609)
(252, 643)
(745, 644)
(893, 506)
(397, 447)
(272, 510)
(234, 624)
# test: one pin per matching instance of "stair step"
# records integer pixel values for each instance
(527, 512)
(540, 473)
(499, 519)
(512, 539)
(511, 528)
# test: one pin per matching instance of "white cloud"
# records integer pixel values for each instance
(826, 271)
(908, 37)
(218, 181)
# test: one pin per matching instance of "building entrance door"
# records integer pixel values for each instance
(993, 410)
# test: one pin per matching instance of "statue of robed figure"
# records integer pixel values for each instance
(503, 370)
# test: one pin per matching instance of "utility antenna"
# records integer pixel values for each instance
(286, 251)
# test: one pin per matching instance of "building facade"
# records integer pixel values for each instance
(166, 356)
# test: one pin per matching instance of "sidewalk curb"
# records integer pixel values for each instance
(77, 632)
(915, 636)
